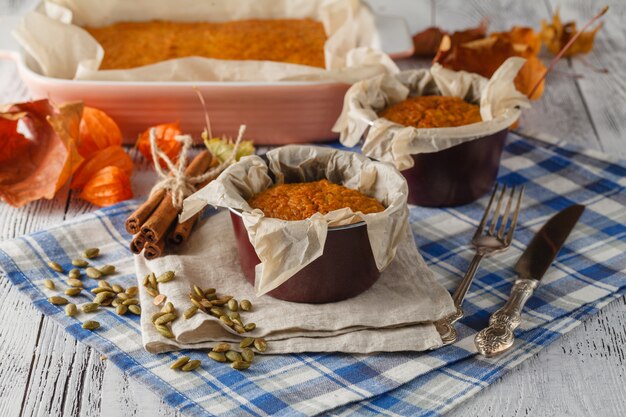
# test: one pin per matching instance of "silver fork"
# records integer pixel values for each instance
(486, 242)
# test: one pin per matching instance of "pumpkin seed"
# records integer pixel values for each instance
(210, 297)
(233, 356)
(217, 312)
(221, 347)
(71, 310)
(93, 272)
(221, 301)
(91, 325)
(49, 284)
(104, 284)
(74, 283)
(146, 280)
(166, 276)
(57, 300)
(91, 253)
(123, 296)
(190, 312)
(108, 302)
(98, 290)
(248, 341)
(102, 297)
(159, 299)
(206, 303)
(89, 307)
(198, 291)
(247, 354)
(117, 288)
(116, 302)
(169, 307)
(75, 273)
(157, 315)
(260, 344)
(166, 318)
(234, 315)
(135, 309)
(240, 365)
(81, 263)
(153, 282)
(239, 328)
(238, 321)
(130, 302)
(191, 365)
(55, 266)
(180, 362)
(226, 320)
(107, 269)
(233, 305)
(121, 309)
(152, 291)
(249, 327)
(74, 291)
(132, 291)
(209, 291)
(197, 304)
(164, 331)
(217, 356)
(245, 305)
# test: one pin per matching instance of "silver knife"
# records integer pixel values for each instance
(531, 267)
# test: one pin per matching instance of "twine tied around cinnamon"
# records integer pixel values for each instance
(179, 185)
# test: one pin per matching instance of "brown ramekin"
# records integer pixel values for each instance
(346, 268)
(457, 175)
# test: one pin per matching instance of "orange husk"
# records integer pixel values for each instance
(166, 141)
(108, 186)
(35, 166)
(97, 131)
(426, 43)
(556, 35)
(111, 156)
(524, 39)
(484, 57)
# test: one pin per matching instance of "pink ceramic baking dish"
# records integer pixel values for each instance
(275, 113)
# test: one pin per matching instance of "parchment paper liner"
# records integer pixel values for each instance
(387, 141)
(285, 247)
(57, 46)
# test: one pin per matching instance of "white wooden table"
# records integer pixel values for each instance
(45, 372)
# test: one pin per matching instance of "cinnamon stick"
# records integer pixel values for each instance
(153, 250)
(181, 231)
(137, 244)
(164, 215)
(136, 220)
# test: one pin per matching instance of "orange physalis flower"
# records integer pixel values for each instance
(97, 131)
(484, 57)
(111, 156)
(524, 39)
(166, 141)
(38, 152)
(556, 35)
(426, 43)
(108, 186)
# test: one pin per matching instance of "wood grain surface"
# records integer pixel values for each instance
(45, 372)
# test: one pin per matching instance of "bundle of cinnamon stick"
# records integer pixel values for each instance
(155, 222)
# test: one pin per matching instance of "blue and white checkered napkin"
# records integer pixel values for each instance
(589, 272)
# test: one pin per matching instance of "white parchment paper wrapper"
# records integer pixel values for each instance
(56, 45)
(387, 141)
(406, 292)
(285, 247)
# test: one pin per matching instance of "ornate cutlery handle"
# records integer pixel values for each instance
(498, 336)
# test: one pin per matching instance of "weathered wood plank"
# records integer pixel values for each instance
(604, 93)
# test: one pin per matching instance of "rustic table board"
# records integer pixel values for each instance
(45, 372)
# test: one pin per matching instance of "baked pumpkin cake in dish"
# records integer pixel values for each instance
(134, 44)
(299, 201)
(432, 112)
